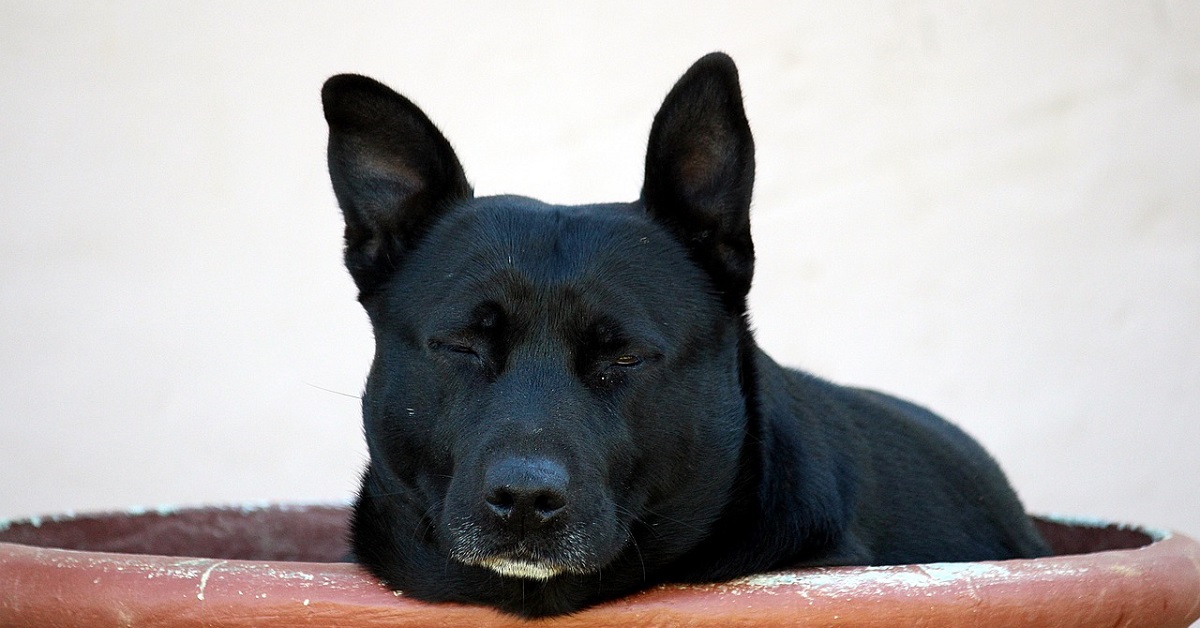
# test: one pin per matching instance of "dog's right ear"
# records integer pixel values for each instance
(393, 174)
(700, 174)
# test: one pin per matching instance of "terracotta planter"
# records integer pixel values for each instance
(275, 566)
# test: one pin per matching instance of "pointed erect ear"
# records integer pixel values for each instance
(393, 173)
(700, 173)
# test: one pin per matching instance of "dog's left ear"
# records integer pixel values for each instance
(700, 174)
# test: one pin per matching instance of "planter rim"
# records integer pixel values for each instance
(1154, 534)
(1154, 585)
(166, 510)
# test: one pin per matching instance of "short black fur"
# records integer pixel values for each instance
(567, 403)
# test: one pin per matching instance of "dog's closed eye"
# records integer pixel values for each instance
(454, 346)
(457, 348)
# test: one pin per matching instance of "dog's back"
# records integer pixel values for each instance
(924, 490)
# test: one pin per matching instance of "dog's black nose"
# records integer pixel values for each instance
(526, 492)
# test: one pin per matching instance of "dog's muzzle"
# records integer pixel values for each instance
(520, 525)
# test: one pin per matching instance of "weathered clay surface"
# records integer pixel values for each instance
(274, 566)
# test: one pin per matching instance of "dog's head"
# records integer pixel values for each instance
(556, 406)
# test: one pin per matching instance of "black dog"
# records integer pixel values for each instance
(566, 403)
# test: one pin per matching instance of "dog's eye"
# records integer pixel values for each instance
(628, 360)
(457, 353)
(464, 349)
(453, 347)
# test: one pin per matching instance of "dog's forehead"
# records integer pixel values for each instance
(546, 244)
(521, 251)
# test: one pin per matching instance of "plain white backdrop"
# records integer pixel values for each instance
(992, 209)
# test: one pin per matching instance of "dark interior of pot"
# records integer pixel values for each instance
(287, 533)
(1079, 538)
(318, 533)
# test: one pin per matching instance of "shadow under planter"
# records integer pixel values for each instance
(277, 565)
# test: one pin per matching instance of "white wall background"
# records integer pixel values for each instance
(992, 208)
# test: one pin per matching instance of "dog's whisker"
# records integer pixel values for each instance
(651, 528)
(641, 559)
(333, 392)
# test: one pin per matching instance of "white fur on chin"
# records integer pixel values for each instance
(521, 568)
